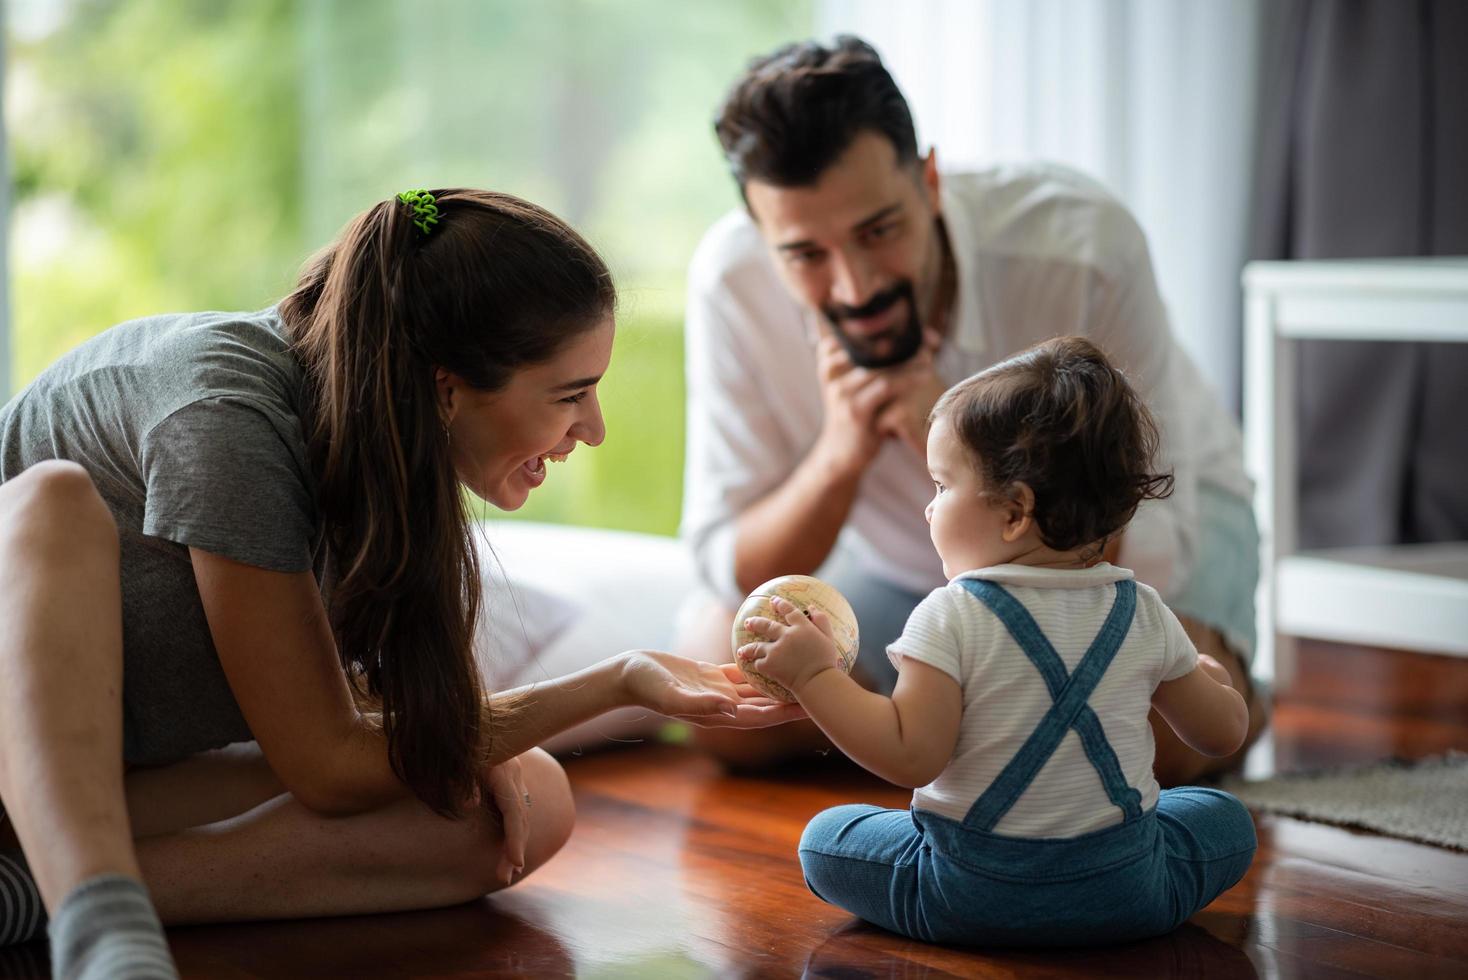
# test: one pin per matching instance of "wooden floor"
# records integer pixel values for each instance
(678, 870)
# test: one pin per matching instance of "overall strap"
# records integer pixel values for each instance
(1069, 692)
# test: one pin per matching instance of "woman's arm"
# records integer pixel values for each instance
(275, 644)
(1204, 709)
(276, 647)
(906, 739)
(705, 694)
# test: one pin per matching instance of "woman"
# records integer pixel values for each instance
(223, 529)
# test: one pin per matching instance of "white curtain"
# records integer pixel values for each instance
(1154, 98)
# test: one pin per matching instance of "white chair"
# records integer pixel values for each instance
(1414, 596)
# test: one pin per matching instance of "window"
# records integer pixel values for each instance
(189, 154)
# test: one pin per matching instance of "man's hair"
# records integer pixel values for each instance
(796, 110)
(1062, 420)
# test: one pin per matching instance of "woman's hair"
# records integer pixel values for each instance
(1062, 420)
(497, 284)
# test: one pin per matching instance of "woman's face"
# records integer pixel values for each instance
(499, 440)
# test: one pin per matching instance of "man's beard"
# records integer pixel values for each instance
(893, 345)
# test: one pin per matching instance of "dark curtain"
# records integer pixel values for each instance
(1364, 154)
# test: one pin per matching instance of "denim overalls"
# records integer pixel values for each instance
(933, 878)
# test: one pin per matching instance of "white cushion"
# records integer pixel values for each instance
(558, 598)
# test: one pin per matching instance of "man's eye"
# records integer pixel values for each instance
(803, 258)
(573, 399)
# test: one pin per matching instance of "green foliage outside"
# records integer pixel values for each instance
(155, 166)
(190, 154)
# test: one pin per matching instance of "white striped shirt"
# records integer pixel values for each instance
(1005, 697)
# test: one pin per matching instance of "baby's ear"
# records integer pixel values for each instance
(1019, 511)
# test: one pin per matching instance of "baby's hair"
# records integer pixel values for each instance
(1062, 420)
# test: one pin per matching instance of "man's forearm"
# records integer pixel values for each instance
(792, 529)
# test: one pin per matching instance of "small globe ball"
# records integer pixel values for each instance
(806, 593)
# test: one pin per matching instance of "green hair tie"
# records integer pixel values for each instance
(425, 209)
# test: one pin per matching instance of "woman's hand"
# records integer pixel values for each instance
(502, 791)
(792, 648)
(710, 695)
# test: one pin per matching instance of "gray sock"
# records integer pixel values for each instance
(22, 916)
(107, 928)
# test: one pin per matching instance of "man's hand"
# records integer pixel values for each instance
(793, 648)
(852, 398)
(866, 406)
(906, 417)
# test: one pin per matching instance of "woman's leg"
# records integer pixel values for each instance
(61, 679)
(61, 729)
(220, 840)
(202, 789)
(281, 860)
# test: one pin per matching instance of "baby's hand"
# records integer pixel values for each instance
(793, 648)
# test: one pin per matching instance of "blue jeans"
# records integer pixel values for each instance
(930, 878)
(1220, 592)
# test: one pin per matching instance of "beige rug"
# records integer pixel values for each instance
(1423, 801)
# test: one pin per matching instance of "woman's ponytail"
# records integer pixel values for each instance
(494, 285)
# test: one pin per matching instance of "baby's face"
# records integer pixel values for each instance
(966, 524)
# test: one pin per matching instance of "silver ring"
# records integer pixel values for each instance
(527, 799)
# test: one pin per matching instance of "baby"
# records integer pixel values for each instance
(1020, 711)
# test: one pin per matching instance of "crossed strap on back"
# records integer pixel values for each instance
(1069, 693)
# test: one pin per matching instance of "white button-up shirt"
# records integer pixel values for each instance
(1041, 252)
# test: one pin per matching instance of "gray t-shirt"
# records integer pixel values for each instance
(190, 426)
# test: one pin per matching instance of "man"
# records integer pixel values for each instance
(825, 320)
